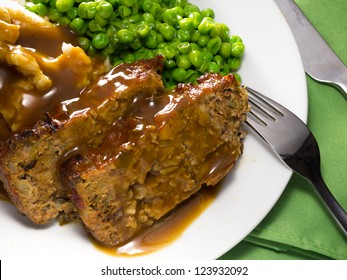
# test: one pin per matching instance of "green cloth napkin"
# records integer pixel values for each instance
(299, 227)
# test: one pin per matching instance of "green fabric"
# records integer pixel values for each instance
(299, 227)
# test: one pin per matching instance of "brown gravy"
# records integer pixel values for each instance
(168, 229)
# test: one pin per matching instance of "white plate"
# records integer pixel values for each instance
(272, 65)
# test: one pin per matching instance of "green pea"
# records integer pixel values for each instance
(109, 50)
(162, 45)
(100, 20)
(148, 18)
(135, 9)
(136, 44)
(175, 41)
(220, 30)
(91, 51)
(207, 13)
(53, 14)
(170, 64)
(129, 58)
(237, 49)
(79, 26)
(139, 54)
(203, 40)
(225, 67)
(234, 39)
(183, 62)
(170, 17)
(180, 3)
(135, 18)
(196, 18)
(87, 10)
(167, 31)
(72, 13)
(218, 59)
(195, 47)
(38, 9)
(170, 52)
(191, 76)
(214, 45)
(125, 36)
(152, 40)
(196, 58)
(186, 24)
(178, 11)
(213, 67)
(184, 48)
(149, 54)
(95, 27)
(100, 41)
(64, 5)
(184, 35)
(225, 50)
(189, 9)
(143, 29)
(206, 25)
(124, 11)
(128, 3)
(203, 68)
(234, 63)
(160, 52)
(64, 21)
(112, 35)
(195, 36)
(104, 9)
(179, 74)
(84, 43)
(207, 56)
(160, 38)
(149, 6)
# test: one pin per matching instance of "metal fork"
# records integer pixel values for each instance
(294, 144)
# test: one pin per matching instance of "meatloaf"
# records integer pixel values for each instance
(161, 152)
(29, 159)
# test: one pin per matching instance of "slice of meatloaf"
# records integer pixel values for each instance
(29, 159)
(161, 153)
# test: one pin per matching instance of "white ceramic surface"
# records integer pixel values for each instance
(272, 65)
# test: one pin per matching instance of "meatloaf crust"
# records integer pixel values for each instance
(29, 159)
(157, 156)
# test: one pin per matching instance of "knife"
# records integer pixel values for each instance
(320, 61)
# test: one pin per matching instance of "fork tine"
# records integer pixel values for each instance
(262, 111)
(261, 100)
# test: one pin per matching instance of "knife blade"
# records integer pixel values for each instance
(320, 61)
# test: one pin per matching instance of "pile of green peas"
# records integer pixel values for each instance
(189, 39)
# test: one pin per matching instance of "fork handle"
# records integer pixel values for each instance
(331, 203)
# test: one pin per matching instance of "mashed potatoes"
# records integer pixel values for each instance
(39, 67)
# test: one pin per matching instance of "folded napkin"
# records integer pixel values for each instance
(299, 227)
